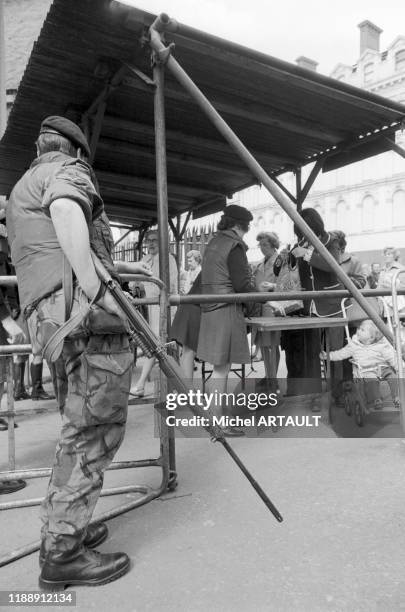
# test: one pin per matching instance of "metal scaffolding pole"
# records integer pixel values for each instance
(3, 90)
(163, 236)
(182, 77)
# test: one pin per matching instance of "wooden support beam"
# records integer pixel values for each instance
(396, 147)
(298, 186)
(284, 189)
(115, 147)
(115, 127)
(111, 85)
(124, 235)
(139, 196)
(128, 181)
(251, 110)
(311, 179)
(96, 129)
(185, 224)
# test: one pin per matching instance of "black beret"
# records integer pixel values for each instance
(239, 213)
(67, 128)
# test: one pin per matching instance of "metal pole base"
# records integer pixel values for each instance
(10, 486)
(172, 484)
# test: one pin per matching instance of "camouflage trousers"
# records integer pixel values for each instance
(92, 378)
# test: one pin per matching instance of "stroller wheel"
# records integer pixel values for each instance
(358, 414)
(347, 404)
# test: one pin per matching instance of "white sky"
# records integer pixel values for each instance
(319, 29)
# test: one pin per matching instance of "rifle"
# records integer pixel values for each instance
(152, 347)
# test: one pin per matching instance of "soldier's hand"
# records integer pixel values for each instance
(108, 304)
(14, 332)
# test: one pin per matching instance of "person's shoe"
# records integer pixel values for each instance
(4, 425)
(40, 394)
(20, 393)
(233, 432)
(11, 486)
(96, 534)
(83, 567)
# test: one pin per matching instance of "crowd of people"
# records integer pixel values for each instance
(55, 221)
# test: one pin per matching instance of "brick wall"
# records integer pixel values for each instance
(23, 20)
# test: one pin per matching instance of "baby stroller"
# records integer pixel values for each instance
(355, 391)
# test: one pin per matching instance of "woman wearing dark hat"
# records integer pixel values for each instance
(225, 269)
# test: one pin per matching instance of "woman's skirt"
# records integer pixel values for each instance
(186, 326)
(223, 337)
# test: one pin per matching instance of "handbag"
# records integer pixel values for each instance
(288, 280)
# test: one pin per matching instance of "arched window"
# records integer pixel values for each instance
(319, 209)
(398, 208)
(341, 216)
(259, 222)
(368, 72)
(277, 221)
(367, 214)
(400, 60)
(331, 219)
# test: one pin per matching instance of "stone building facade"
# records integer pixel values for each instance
(366, 199)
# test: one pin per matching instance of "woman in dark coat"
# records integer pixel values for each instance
(302, 348)
(225, 270)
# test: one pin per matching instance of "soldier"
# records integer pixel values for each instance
(49, 219)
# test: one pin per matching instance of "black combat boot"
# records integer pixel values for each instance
(38, 392)
(95, 535)
(81, 567)
(20, 392)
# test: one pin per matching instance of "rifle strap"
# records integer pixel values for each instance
(53, 348)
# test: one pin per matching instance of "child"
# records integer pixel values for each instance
(373, 360)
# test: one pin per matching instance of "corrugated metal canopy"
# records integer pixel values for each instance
(95, 51)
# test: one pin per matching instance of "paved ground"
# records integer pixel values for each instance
(212, 544)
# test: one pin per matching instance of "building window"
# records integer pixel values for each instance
(259, 222)
(400, 60)
(341, 217)
(398, 208)
(319, 209)
(368, 72)
(367, 214)
(277, 220)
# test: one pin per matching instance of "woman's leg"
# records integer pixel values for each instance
(218, 382)
(187, 362)
(146, 370)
